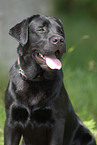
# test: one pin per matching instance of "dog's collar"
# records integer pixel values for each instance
(21, 72)
(24, 77)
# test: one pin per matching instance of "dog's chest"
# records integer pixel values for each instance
(23, 115)
(31, 104)
(35, 93)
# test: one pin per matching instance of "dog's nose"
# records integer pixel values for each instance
(57, 40)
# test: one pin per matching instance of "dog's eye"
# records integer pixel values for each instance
(41, 29)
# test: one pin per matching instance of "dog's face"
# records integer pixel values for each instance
(42, 38)
(46, 39)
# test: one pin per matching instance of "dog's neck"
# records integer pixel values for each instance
(40, 77)
(22, 74)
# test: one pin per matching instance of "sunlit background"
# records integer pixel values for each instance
(79, 18)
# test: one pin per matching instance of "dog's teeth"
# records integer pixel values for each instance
(41, 55)
(44, 58)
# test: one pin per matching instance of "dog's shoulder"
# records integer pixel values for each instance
(13, 73)
(15, 78)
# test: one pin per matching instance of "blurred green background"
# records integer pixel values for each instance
(79, 18)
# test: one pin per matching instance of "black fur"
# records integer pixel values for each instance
(37, 106)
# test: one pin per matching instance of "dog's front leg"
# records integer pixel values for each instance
(12, 135)
(58, 132)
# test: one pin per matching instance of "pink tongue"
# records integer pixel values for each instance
(53, 62)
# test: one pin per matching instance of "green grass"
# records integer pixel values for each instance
(2, 119)
(81, 86)
(3, 85)
(82, 89)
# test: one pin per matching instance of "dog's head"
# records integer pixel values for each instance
(42, 39)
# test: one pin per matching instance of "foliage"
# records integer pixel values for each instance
(3, 84)
(90, 124)
(2, 119)
(80, 70)
(81, 87)
(81, 36)
(75, 6)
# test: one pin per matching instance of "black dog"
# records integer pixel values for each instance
(37, 105)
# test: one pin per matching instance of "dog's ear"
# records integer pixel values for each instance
(20, 32)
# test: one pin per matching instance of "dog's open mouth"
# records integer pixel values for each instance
(52, 61)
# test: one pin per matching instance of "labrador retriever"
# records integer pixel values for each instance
(36, 101)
